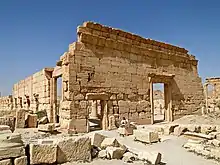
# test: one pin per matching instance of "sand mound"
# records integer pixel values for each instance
(210, 119)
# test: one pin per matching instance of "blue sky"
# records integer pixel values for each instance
(33, 34)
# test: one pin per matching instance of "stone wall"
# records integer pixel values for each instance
(118, 63)
(36, 88)
(6, 103)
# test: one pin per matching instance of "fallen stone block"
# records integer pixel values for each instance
(168, 129)
(78, 149)
(50, 127)
(214, 142)
(199, 135)
(6, 162)
(32, 121)
(21, 161)
(4, 128)
(20, 118)
(151, 157)
(179, 130)
(43, 120)
(43, 154)
(11, 150)
(115, 152)
(146, 137)
(97, 139)
(102, 154)
(206, 129)
(109, 142)
(129, 157)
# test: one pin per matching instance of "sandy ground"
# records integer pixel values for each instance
(171, 149)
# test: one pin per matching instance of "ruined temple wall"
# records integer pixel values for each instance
(34, 84)
(6, 103)
(118, 63)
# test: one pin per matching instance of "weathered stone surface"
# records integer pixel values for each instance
(129, 157)
(115, 152)
(78, 149)
(21, 161)
(179, 130)
(109, 142)
(168, 129)
(151, 157)
(102, 154)
(6, 162)
(43, 154)
(50, 127)
(146, 137)
(20, 118)
(11, 151)
(97, 139)
(200, 135)
(4, 128)
(43, 120)
(32, 121)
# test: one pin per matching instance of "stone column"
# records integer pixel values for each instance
(105, 115)
(94, 110)
(152, 102)
(170, 110)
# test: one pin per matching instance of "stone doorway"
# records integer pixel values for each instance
(159, 102)
(166, 80)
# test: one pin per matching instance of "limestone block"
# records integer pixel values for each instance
(6, 162)
(32, 121)
(4, 128)
(129, 157)
(9, 151)
(109, 142)
(179, 130)
(115, 152)
(78, 149)
(50, 127)
(20, 118)
(43, 154)
(21, 160)
(102, 154)
(152, 157)
(97, 139)
(169, 129)
(146, 137)
(43, 120)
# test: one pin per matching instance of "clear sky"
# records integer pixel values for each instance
(34, 33)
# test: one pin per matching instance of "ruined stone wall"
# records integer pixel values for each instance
(118, 63)
(6, 103)
(37, 88)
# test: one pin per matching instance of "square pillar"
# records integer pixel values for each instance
(152, 102)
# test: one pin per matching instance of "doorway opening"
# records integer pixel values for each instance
(59, 97)
(159, 102)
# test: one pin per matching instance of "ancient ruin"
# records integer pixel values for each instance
(107, 84)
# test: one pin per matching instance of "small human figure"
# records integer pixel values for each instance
(124, 122)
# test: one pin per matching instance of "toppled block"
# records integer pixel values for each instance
(5, 129)
(97, 139)
(32, 121)
(102, 154)
(129, 157)
(199, 135)
(110, 142)
(43, 154)
(179, 130)
(20, 118)
(6, 162)
(21, 160)
(151, 157)
(50, 127)
(168, 129)
(146, 137)
(70, 150)
(43, 120)
(115, 152)
(11, 151)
